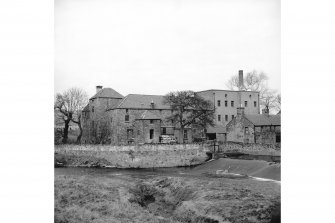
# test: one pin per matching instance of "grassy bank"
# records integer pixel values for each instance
(125, 198)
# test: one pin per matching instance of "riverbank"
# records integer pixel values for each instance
(121, 197)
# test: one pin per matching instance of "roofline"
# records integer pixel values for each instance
(266, 125)
(148, 119)
(258, 125)
(147, 95)
(152, 109)
(139, 108)
(145, 108)
(227, 91)
(105, 97)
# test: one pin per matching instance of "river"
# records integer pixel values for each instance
(139, 173)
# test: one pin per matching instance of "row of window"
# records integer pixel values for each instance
(130, 133)
(232, 103)
(126, 119)
(226, 118)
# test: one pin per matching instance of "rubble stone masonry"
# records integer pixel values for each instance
(139, 156)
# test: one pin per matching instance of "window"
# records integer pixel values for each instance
(164, 131)
(185, 134)
(245, 104)
(232, 103)
(219, 103)
(219, 118)
(126, 118)
(126, 110)
(130, 133)
(151, 121)
(151, 133)
(225, 95)
(226, 118)
(255, 104)
(246, 130)
(226, 103)
(92, 108)
(278, 137)
(232, 116)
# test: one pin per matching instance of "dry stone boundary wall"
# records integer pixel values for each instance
(251, 148)
(138, 156)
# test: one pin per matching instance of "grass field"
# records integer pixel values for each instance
(125, 198)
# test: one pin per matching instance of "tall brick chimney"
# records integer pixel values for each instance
(99, 88)
(240, 87)
(240, 79)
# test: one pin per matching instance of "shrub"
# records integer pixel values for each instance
(143, 194)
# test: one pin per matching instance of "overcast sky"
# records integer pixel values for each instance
(158, 46)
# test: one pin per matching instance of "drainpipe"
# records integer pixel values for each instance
(214, 100)
(214, 115)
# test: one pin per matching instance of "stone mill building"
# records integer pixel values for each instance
(110, 117)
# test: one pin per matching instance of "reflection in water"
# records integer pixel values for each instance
(172, 171)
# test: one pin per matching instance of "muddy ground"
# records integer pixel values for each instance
(118, 197)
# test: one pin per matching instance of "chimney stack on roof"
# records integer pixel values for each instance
(99, 88)
(240, 79)
(152, 104)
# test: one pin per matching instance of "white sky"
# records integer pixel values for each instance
(158, 46)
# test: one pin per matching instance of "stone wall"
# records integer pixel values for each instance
(230, 96)
(236, 130)
(144, 156)
(267, 134)
(96, 122)
(140, 128)
(250, 148)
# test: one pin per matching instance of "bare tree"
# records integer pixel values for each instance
(188, 109)
(70, 104)
(278, 103)
(255, 81)
(100, 132)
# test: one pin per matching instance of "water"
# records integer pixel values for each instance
(140, 173)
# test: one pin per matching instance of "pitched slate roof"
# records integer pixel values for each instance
(86, 108)
(143, 101)
(107, 93)
(264, 119)
(149, 115)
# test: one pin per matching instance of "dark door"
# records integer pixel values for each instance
(151, 133)
(211, 136)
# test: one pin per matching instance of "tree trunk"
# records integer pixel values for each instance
(181, 135)
(66, 131)
(80, 133)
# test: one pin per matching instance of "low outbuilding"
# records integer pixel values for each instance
(262, 128)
